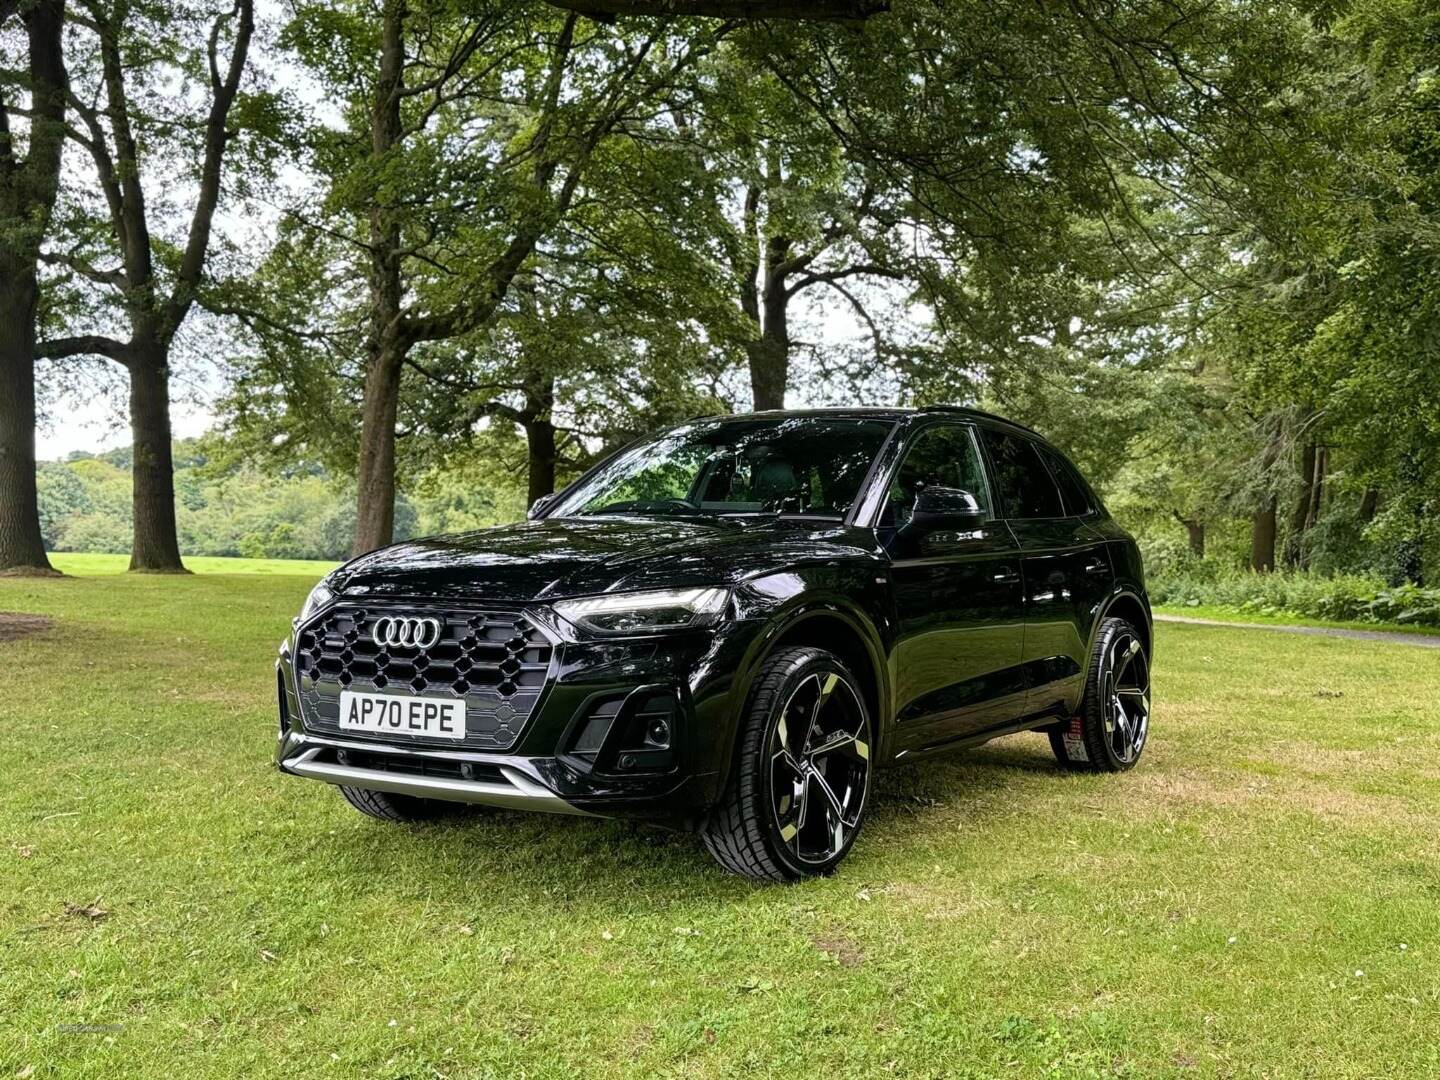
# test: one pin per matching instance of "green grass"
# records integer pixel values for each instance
(1209, 914)
(83, 564)
(1225, 614)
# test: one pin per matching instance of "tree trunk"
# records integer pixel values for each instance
(1195, 531)
(155, 547)
(1369, 505)
(540, 435)
(1317, 489)
(375, 511)
(28, 189)
(1300, 518)
(540, 441)
(769, 371)
(1410, 549)
(22, 550)
(1262, 537)
(769, 354)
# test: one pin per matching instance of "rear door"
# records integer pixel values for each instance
(959, 609)
(1064, 562)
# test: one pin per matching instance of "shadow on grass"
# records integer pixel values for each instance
(567, 863)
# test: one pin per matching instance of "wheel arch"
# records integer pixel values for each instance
(1127, 604)
(835, 627)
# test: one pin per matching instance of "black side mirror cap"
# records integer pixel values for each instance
(939, 508)
(539, 506)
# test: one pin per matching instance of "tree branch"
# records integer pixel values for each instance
(83, 345)
(811, 11)
(192, 263)
(829, 277)
(82, 267)
(875, 336)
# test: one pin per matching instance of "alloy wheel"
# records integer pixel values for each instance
(1125, 697)
(819, 767)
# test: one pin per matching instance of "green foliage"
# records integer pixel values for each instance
(228, 507)
(1339, 598)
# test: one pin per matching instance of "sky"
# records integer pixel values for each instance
(98, 424)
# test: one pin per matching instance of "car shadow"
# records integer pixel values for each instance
(563, 861)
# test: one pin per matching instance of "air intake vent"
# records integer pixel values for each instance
(625, 735)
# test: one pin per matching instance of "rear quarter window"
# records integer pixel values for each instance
(1077, 498)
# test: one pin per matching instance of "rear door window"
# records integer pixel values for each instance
(1021, 480)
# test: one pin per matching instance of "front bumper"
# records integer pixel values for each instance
(581, 750)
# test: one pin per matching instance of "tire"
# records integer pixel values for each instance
(388, 806)
(796, 798)
(1113, 725)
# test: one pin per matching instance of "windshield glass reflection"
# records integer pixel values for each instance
(807, 465)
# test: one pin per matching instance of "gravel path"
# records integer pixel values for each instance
(1425, 641)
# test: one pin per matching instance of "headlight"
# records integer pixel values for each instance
(319, 596)
(641, 612)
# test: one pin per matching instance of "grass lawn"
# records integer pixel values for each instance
(1225, 614)
(75, 563)
(1258, 898)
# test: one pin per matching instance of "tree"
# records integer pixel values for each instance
(465, 144)
(802, 10)
(789, 210)
(135, 139)
(32, 138)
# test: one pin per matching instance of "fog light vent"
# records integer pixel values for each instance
(628, 735)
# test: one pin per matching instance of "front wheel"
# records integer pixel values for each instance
(1110, 731)
(796, 798)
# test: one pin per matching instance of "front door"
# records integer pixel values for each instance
(959, 605)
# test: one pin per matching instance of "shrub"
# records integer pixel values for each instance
(1342, 597)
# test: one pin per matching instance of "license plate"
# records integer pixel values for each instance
(402, 714)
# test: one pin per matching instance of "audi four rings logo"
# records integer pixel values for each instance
(408, 631)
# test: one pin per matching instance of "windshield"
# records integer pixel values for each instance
(810, 465)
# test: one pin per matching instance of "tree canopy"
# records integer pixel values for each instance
(1193, 242)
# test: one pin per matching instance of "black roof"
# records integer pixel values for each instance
(878, 413)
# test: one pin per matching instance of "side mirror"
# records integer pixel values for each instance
(539, 506)
(939, 508)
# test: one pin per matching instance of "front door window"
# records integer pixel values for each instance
(944, 456)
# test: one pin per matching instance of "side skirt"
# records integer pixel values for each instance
(1032, 722)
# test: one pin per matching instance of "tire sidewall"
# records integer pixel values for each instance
(1097, 741)
(816, 662)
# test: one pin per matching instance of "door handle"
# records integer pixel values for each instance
(1005, 576)
(1097, 567)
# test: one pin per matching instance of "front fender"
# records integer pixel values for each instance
(798, 611)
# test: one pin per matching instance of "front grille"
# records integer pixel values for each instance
(497, 661)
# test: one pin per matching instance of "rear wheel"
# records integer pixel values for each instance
(388, 806)
(1110, 732)
(796, 799)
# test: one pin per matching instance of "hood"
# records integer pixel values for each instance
(554, 558)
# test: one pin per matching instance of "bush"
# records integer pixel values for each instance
(1342, 598)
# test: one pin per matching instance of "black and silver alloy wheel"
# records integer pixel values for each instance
(819, 767)
(1110, 731)
(796, 798)
(1126, 697)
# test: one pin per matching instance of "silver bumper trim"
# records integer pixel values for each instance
(519, 792)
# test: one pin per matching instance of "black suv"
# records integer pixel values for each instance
(727, 627)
